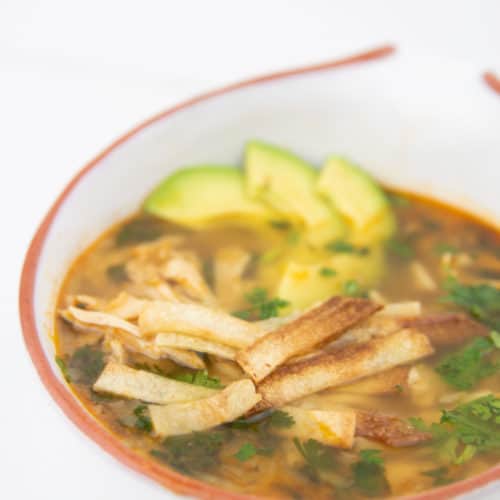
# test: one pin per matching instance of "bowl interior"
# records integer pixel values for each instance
(413, 124)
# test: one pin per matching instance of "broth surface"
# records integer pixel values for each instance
(432, 239)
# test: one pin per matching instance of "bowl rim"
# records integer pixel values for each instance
(63, 396)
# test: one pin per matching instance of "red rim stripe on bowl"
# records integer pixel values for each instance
(67, 401)
(492, 81)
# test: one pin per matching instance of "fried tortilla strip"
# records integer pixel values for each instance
(387, 429)
(99, 320)
(199, 321)
(401, 309)
(327, 321)
(391, 381)
(195, 344)
(182, 357)
(332, 427)
(447, 328)
(124, 381)
(125, 306)
(345, 365)
(225, 406)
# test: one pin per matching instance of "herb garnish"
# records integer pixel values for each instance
(400, 249)
(140, 230)
(369, 474)
(442, 248)
(480, 301)
(248, 450)
(281, 225)
(317, 455)
(64, 369)
(200, 378)
(281, 419)
(143, 422)
(262, 307)
(327, 272)
(468, 429)
(352, 288)
(464, 368)
(86, 364)
(117, 273)
(191, 453)
(439, 475)
(341, 246)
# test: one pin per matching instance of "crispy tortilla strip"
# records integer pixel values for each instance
(199, 321)
(345, 365)
(99, 320)
(391, 381)
(392, 431)
(225, 406)
(124, 381)
(324, 322)
(448, 328)
(333, 427)
(125, 306)
(195, 344)
(401, 309)
(148, 348)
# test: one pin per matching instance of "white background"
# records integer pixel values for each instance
(75, 75)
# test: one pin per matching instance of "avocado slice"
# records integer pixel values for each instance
(359, 199)
(288, 184)
(199, 195)
(304, 284)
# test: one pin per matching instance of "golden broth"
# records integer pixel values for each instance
(432, 237)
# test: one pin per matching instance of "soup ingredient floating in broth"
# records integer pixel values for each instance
(264, 329)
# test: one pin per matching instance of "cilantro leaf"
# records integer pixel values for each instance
(352, 289)
(200, 378)
(400, 249)
(480, 301)
(64, 369)
(262, 307)
(464, 368)
(439, 475)
(143, 422)
(369, 474)
(327, 272)
(317, 455)
(341, 246)
(191, 453)
(468, 429)
(86, 364)
(281, 419)
(246, 452)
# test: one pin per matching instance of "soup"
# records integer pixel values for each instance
(315, 337)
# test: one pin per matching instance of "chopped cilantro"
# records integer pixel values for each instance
(327, 272)
(495, 338)
(369, 474)
(442, 248)
(480, 301)
(86, 364)
(117, 273)
(341, 246)
(400, 249)
(246, 452)
(262, 307)
(439, 475)
(191, 453)
(317, 455)
(464, 368)
(140, 230)
(399, 388)
(468, 429)
(281, 225)
(143, 422)
(271, 255)
(352, 288)
(64, 369)
(200, 378)
(281, 419)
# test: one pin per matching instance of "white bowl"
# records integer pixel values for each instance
(412, 122)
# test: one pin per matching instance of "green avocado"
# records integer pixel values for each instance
(288, 184)
(359, 199)
(200, 195)
(304, 284)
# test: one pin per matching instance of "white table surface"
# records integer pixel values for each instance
(75, 75)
